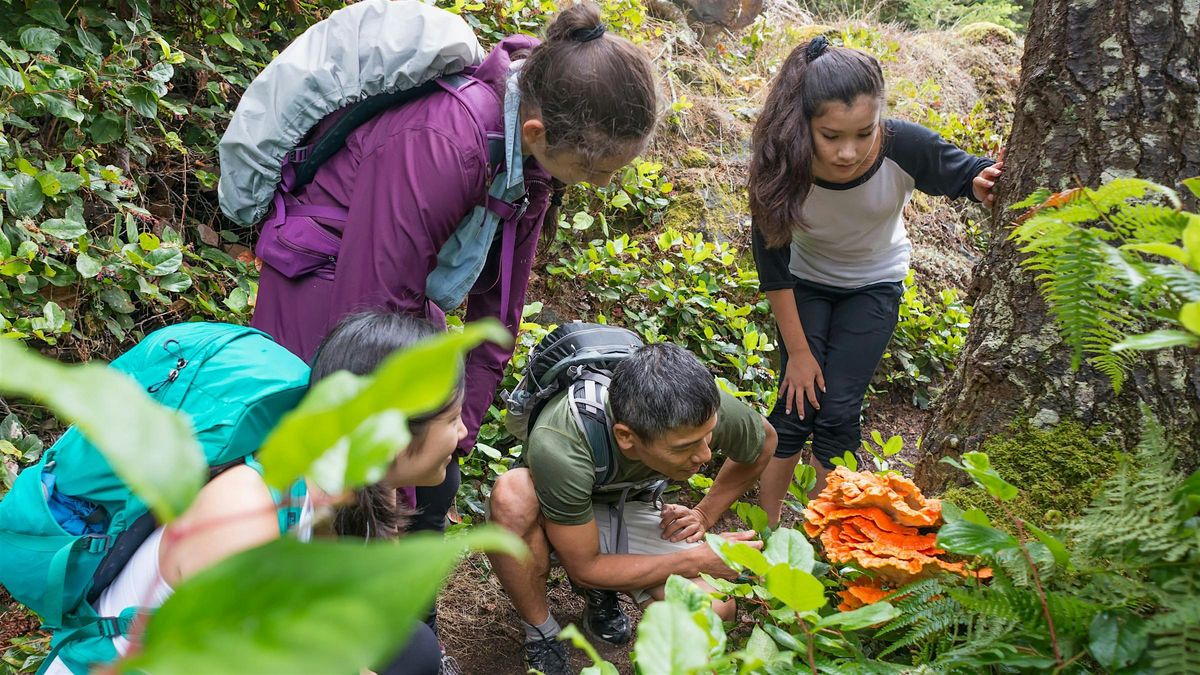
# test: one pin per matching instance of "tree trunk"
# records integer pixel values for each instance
(1109, 88)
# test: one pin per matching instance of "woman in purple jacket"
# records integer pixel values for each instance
(588, 103)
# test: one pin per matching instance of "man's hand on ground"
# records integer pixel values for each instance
(679, 523)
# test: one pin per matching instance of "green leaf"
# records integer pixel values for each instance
(1192, 184)
(683, 592)
(742, 554)
(11, 79)
(874, 613)
(5, 246)
(148, 241)
(117, 299)
(620, 200)
(967, 538)
(143, 100)
(151, 449)
(1159, 248)
(88, 41)
(175, 282)
(63, 228)
(413, 381)
(1158, 339)
(979, 467)
(761, 648)
(161, 72)
(55, 317)
(163, 261)
(47, 12)
(38, 39)
(1189, 316)
(599, 666)
(752, 515)
(1061, 557)
(669, 642)
(87, 266)
(791, 548)
(106, 127)
(232, 40)
(238, 300)
(317, 607)
(49, 183)
(797, 589)
(25, 197)
(1115, 640)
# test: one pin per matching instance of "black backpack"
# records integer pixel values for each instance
(577, 358)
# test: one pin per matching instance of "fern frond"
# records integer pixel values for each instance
(1175, 646)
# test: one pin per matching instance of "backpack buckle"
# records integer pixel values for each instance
(298, 155)
(110, 626)
(97, 543)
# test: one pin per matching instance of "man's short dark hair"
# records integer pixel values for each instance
(662, 387)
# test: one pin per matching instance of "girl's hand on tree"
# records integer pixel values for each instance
(984, 184)
(800, 381)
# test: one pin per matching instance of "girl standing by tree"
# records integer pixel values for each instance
(587, 105)
(829, 180)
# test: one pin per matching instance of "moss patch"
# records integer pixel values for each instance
(985, 32)
(695, 158)
(685, 212)
(1057, 469)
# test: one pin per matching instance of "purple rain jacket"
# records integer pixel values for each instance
(407, 178)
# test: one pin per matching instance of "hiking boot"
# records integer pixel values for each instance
(603, 618)
(548, 656)
(449, 666)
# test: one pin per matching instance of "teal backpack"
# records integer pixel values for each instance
(69, 525)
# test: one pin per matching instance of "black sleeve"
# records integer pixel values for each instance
(938, 167)
(774, 272)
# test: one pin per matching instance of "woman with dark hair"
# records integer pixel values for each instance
(586, 103)
(829, 179)
(236, 511)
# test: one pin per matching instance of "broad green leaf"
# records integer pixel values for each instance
(979, 467)
(742, 554)
(683, 592)
(163, 261)
(317, 607)
(49, 182)
(143, 100)
(106, 127)
(860, 618)
(1116, 640)
(54, 315)
(48, 12)
(25, 197)
(1193, 184)
(89, 42)
(148, 241)
(1158, 339)
(152, 449)
(1161, 249)
(967, 538)
(791, 548)
(798, 590)
(118, 299)
(413, 381)
(63, 228)
(176, 282)
(599, 666)
(752, 515)
(1189, 316)
(1191, 242)
(161, 72)
(761, 648)
(11, 79)
(620, 200)
(232, 40)
(1056, 547)
(87, 266)
(38, 39)
(5, 246)
(783, 638)
(669, 642)
(237, 300)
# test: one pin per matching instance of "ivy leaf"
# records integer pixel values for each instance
(47, 12)
(413, 381)
(800, 591)
(143, 100)
(11, 79)
(669, 641)
(862, 617)
(232, 40)
(25, 197)
(791, 548)
(1158, 339)
(967, 538)
(106, 127)
(163, 261)
(38, 39)
(349, 613)
(62, 228)
(87, 266)
(151, 449)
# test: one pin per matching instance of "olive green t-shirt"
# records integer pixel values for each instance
(564, 473)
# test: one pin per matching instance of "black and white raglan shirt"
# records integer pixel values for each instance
(855, 234)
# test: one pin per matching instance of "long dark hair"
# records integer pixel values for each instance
(781, 166)
(359, 343)
(595, 92)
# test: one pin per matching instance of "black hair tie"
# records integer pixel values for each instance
(816, 47)
(587, 34)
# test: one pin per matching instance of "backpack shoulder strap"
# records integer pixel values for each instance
(587, 398)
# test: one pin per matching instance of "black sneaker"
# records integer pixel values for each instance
(548, 656)
(449, 666)
(603, 618)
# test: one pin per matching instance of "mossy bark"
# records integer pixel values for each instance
(1108, 89)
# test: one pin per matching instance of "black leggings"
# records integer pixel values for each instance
(848, 331)
(421, 656)
(433, 503)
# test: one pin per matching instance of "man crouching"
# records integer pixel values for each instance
(667, 418)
